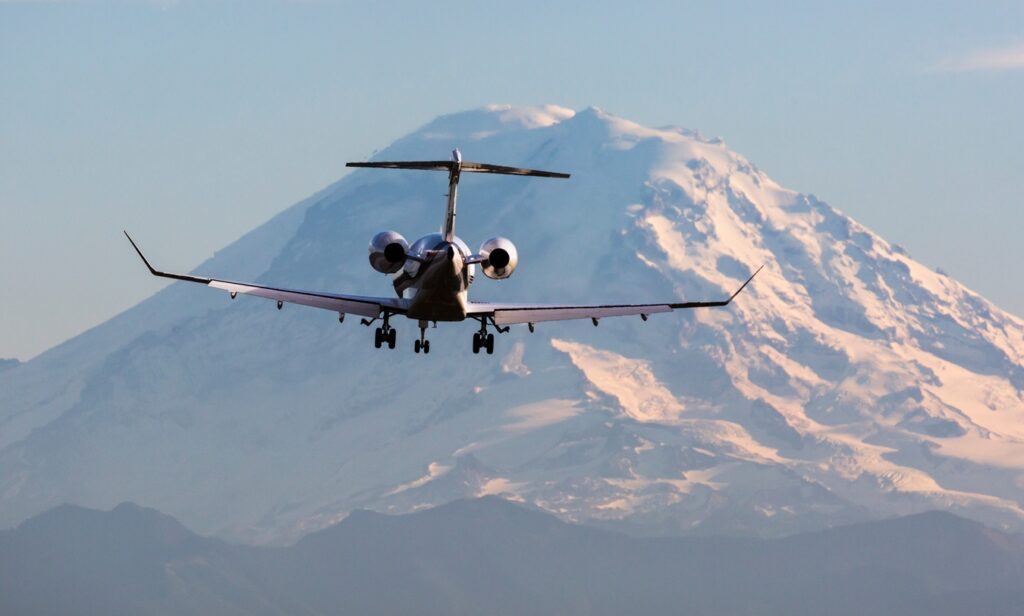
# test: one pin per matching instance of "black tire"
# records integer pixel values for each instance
(476, 343)
(490, 344)
(426, 346)
(377, 338)
(416, 346)
(392, 338)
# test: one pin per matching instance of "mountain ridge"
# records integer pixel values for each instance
(488, 554)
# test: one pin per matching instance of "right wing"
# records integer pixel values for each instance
(342, 304)
(510, 314)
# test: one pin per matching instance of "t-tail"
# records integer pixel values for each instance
(455, 167)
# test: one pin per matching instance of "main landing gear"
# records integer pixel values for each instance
(483, 340)
(384, 334)
(422, 343)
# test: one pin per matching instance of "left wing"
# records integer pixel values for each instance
(509, 314)
(342, 304)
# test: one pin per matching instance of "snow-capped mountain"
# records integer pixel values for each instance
(847, 382)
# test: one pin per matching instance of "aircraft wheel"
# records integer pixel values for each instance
(426, 346)
(416, 346)
(476, 343)
(392, 338)
(490, 344)
(378, 338)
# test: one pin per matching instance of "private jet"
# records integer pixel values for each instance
(432, 276)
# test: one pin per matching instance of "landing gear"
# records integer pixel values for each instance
(422, 343)
(387, 336)
(384, 334)
(483, 340)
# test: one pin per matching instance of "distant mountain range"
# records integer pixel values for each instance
(489, 556)
(848, 383)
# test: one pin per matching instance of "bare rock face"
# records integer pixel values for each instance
(848, 382)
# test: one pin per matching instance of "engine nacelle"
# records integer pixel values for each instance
(388, 251)
(500, 258)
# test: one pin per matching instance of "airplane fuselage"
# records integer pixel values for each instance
(436, 283)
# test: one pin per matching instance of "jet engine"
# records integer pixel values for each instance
(500, 258)
(388, 251)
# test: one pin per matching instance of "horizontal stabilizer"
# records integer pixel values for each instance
(485, 168)
(465, 167)
(425, 165)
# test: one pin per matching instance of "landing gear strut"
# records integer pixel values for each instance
(422, 343)
(384, 334)
(484, 340)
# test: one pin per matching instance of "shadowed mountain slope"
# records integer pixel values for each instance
(491, 556)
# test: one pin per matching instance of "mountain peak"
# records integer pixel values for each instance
(531, 116)
(143, 523)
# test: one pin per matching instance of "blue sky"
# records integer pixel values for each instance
(192, 122)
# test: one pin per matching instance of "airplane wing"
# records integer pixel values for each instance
(342, 304)
(509, 314)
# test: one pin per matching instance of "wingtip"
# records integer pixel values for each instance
(138, 250)
(744, 285)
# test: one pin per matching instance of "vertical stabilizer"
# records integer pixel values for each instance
(453, 191)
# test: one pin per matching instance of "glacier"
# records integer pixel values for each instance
(847, 383)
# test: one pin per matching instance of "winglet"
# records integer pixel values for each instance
(733, 296)
(156, 272)
(152, 270)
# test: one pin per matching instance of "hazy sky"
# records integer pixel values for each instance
(192, 122)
